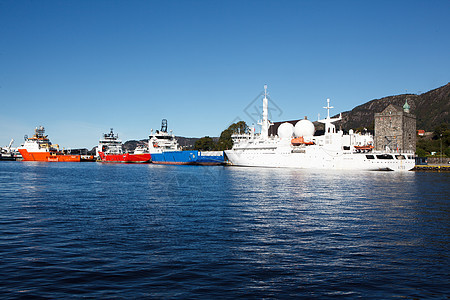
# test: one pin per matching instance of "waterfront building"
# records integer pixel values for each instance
(395, 129)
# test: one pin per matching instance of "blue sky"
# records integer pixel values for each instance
(81, 67)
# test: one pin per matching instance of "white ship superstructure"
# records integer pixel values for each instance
(297, 147)
(109, 144)
(162, 141)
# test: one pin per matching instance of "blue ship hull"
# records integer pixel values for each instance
(192, 157)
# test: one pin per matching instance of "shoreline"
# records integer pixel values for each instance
(432, 168)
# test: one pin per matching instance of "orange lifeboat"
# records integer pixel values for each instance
(300, 141)
(365, 147)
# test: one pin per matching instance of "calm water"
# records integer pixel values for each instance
(133, 231)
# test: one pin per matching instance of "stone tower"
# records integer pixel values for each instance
(395, 129)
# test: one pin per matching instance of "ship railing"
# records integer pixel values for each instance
(395, 151)
(399, 151)
(242, 135)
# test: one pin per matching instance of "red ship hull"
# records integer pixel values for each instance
(125, 158)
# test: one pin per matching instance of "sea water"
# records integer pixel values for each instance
(151, 231)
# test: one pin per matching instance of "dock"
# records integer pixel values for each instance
(432, 168)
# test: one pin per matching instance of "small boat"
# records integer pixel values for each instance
(364, 148)
(110, 150)
(39, 148)
(300, 141)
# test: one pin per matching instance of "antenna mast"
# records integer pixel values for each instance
(328, 107)
(265, 121)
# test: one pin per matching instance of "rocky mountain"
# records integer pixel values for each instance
(431, 109)
(132, 144)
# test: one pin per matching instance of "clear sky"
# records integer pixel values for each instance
(81, 67)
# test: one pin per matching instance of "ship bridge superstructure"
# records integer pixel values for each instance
(161, 140)
(39, 141)
(110, 144)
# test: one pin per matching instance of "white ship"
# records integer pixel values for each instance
(297, 147)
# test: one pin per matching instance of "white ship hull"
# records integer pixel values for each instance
(320, 159)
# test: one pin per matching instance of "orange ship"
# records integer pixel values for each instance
(39, 148)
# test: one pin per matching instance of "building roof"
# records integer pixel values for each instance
(391, 108)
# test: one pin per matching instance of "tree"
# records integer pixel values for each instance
(225, 141)
(420, 152)
(440, 130)
(205, 143)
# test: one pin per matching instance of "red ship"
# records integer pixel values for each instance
(110, 150)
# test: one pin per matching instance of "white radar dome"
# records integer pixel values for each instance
(285, 130)
(304, 128)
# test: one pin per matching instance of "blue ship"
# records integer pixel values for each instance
(188, 157)
(164, 149)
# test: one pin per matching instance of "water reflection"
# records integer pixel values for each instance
(325, 211)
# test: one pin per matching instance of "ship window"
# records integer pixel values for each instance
(400, 156)
(385, 156)
(370, 156)
(346, 147)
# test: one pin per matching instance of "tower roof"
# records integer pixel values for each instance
(406, 106)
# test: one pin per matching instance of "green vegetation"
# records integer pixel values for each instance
(440, 140)
(225, 142)
(206, 144)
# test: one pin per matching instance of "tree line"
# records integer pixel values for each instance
(440, 140)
